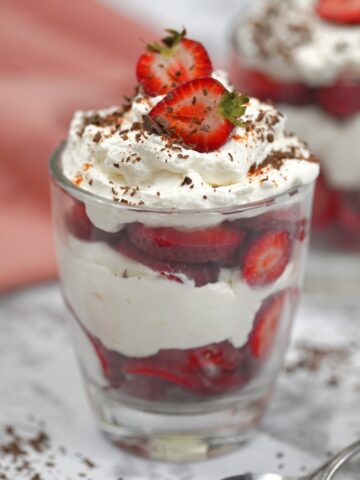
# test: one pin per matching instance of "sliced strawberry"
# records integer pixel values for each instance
(78, 222)
(326, 204)
(169, 64)
(341, 99)
(266, 325)
(210, 245)
(266, 257)
(259, 85)
(200, 114)
(161, 373)
(215, 358)
(302, 230)
(290, 219)
(207, 370)
(339, 11)
(201, 273)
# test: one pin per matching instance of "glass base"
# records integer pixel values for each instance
(330, 272)
(195, 433)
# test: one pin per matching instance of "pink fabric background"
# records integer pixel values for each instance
(55, 57)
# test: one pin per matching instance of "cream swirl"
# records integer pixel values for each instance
(289, 41)
(109, 154)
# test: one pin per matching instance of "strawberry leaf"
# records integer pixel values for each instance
(233, 106)
(168, 42)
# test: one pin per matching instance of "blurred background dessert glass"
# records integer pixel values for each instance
(305, 56)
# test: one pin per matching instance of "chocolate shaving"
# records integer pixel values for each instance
(186, 181)
(97, 137)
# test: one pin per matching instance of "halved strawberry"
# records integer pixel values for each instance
(200, 114)
(266, 258)
(339, 11)
(259, 85)
(78, 222)
(326, 204)
(169, 64)
(210, 245)
(341, 99)
(266, 325)
(201, 273)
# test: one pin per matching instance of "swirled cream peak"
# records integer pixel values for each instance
(289, 40)
(111, 154)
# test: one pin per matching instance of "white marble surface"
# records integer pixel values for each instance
(309, 415)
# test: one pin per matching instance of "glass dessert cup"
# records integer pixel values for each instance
(180, 319)
(335, 111)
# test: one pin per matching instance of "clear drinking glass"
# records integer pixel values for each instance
(328, 118)
(179, 357)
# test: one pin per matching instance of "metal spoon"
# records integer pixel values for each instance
(327, 470)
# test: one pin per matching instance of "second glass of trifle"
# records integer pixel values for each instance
(305, 56)
(182, 223)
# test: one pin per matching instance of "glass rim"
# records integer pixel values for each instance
(81, 194)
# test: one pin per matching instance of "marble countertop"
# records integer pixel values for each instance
(315, 409)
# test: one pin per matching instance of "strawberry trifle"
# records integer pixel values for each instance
(182, 222)
(305, 56)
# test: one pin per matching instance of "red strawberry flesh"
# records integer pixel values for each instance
(349, 213)
(168, 65)
(266, 258)
(266, 325)
(259, 85)
(341, 99)
(78, 222)
(200, 114)
(339, 11)
(210, 245)
(326, 204)
(201, 273)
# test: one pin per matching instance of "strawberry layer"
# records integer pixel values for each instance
(109, 291)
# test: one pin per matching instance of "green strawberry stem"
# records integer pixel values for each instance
(168, 43)
(233, 106)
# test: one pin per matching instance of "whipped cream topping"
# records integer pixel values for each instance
(288, 40)
(336, 143)
(109, 154)
(106, 301)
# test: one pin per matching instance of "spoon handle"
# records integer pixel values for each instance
(339, 460)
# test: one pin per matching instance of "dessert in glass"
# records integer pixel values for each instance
(305, 56)
(181, 223)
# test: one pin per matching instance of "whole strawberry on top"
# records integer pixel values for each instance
(175, 60)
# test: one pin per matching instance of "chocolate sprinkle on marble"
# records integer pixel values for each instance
(29, 454)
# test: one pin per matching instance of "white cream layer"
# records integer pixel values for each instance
(143, 313)
(330, 51)
(146, 171)
(336, 143)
